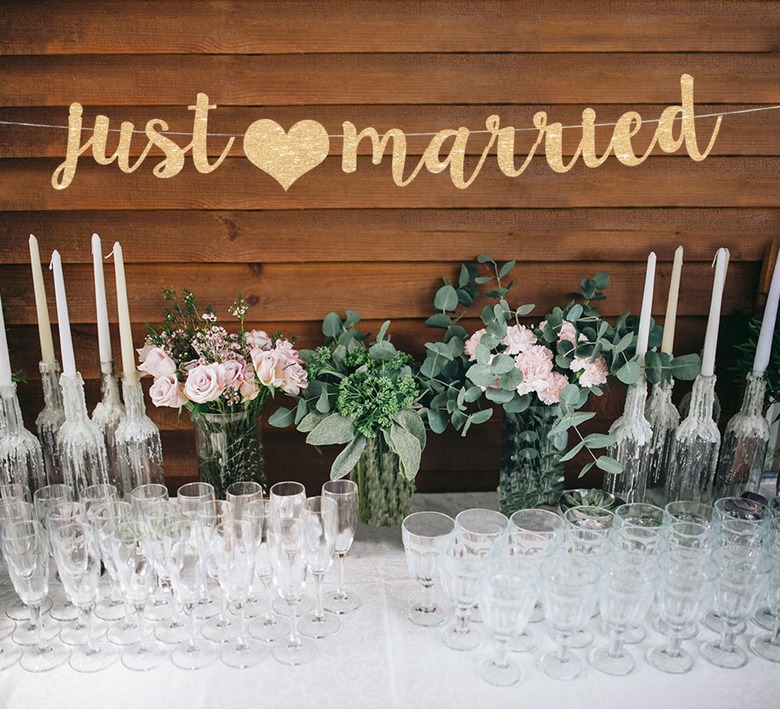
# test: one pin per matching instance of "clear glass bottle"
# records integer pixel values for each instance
(80, 445)
(632, 438)
(50, 419)
(663, 417)
(744, 443)
(21, 456)
(107, 415)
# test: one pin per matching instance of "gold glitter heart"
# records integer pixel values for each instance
(286, 156)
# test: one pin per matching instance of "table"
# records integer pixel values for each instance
(379, 659)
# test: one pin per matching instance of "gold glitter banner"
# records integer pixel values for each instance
(287, 155)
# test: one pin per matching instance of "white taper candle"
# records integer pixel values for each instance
(41, 306)
(104, 335)
(647, 308)
(5, 360)
(129, 370)
(63, 321)
(670, 317)
(767, 333)
(713, 322)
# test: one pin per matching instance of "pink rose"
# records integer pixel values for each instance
(536, 365)
(518, 339)
(258, 339)
(204, 383)
(168, 391)
(143, 351)
(157, 363)
(295, 379)
(249, 389)
(232, 371)
(551, 394)
(269, 366)
(287, 349)
(470, 345)
(591, 374)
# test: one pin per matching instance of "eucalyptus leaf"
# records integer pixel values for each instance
(499, 396)
(686, 367)
(446, 298)
(437, 420)
(281, 418)
(572, 451)
(502, 364)
(412, 422)
(599, 440)
(609, 465)
(481, 416)
(506, 268)
(525, 309)
(323, 403)
(382, 331)
(481, 375)
(629, 373)
(439, 320)
(331, 325)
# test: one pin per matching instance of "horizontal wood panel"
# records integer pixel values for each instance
(293, 26)
(747, 134)
(366, 78)
(295, 292)
(237, 184)
(392, 234)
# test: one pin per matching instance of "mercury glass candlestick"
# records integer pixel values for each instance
(107, 416)
(744, 443)
(663, 417)
(80, 445)
(139, 449)
(50, 419)
(632, 435)
(694, 453)
(21, 456)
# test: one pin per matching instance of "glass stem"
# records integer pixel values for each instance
(562, 649)
(319, 611)
(193, 642)
(500, 659)
(143, 645)
(427, 599)
(87, 620)
(241, 639)
(340, 591)
(673, 642)
(615, 643)
(268, 617)
(40, 636)
(727, 635)
(223, 610)
(128, 615)
(462, 617)
(295, 641)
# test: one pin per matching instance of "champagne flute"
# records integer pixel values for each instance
(345, 494)
(768, 645)
(14, 510)
(147, 500)
(319, 531)
(26, 551)
(190, 496)
(211, 514)
(240, 494)
(96, 494)
(15, 491)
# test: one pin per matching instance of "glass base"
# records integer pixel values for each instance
(635, 635)
(218, 629)
(499, 675)
(254, 607)
(54, 655)
(248, 654)
(537, 614)
(688, 632)
(26, 636)
(282, 607)
(7, 626)
(761, 645)
(124, 633)
(207, 608)
(186, 657)
(75, 635)
(712, 622)
(581, 638)
(426, 616)
(677, 664)
(101, 656)
(727, 659)
(172, 633)
(527, 641)
(569, 669)
(270, 630)
(158, 610)
(110, 611)
(9, 655)
(313, 627)
(603, 661)
(292, 654)
(335, 603)
(64, 612)
(19, 612)
(764, 619)
(142, 658)
(463, 640)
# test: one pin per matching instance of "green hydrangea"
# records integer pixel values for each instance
(372, 401)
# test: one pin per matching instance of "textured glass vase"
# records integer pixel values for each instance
(531, 473)
(229, 448)
(385, 495)
(50, 419)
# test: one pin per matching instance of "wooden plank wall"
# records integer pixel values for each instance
(337, 241)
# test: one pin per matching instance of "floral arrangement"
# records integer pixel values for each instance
(360, 393)
(198, 364)
(559, 362)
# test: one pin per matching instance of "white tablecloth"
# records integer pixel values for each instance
(379, 659)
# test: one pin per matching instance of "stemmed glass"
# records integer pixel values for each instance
(766, 617)
(269, 626)
(233, 545)
(18, 492)
(97, 494)
(768, 646)
(240, 494)
(78, 561)
(13, 509)
(741, 583)
(103, 516)
(135, 573)
(211, 514)
(626, 589)
(319, 533)
(183, 545)
(688, 511)
(421, 533)
(345, 494)
(25, 548)
(684, 586)
(568, 594)
(460, 566)
(507, 600)
(285, 551)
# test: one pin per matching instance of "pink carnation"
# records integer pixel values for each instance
(591, 374)
(204, 383)
(518, 339)
(536, 365)
(551, 394)
(258, 339)
(568, 332)
(470, 345)
(168, 391)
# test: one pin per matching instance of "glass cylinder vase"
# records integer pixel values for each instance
(531, 472)
(229, 448)
(385, 495)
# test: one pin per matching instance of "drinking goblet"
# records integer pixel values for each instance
(507, 600)
(625, 590)
(461, 565)
(135, 573)
(25, 548)
(319, 533)
(568, 594)
(78, 561)
(421, 532)
(269, 626)
(768, 646)
(684, 586)
(218, 628)
(742, 581)
(285, 551)
(688, 511)
(345, 494)
(640, 514)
